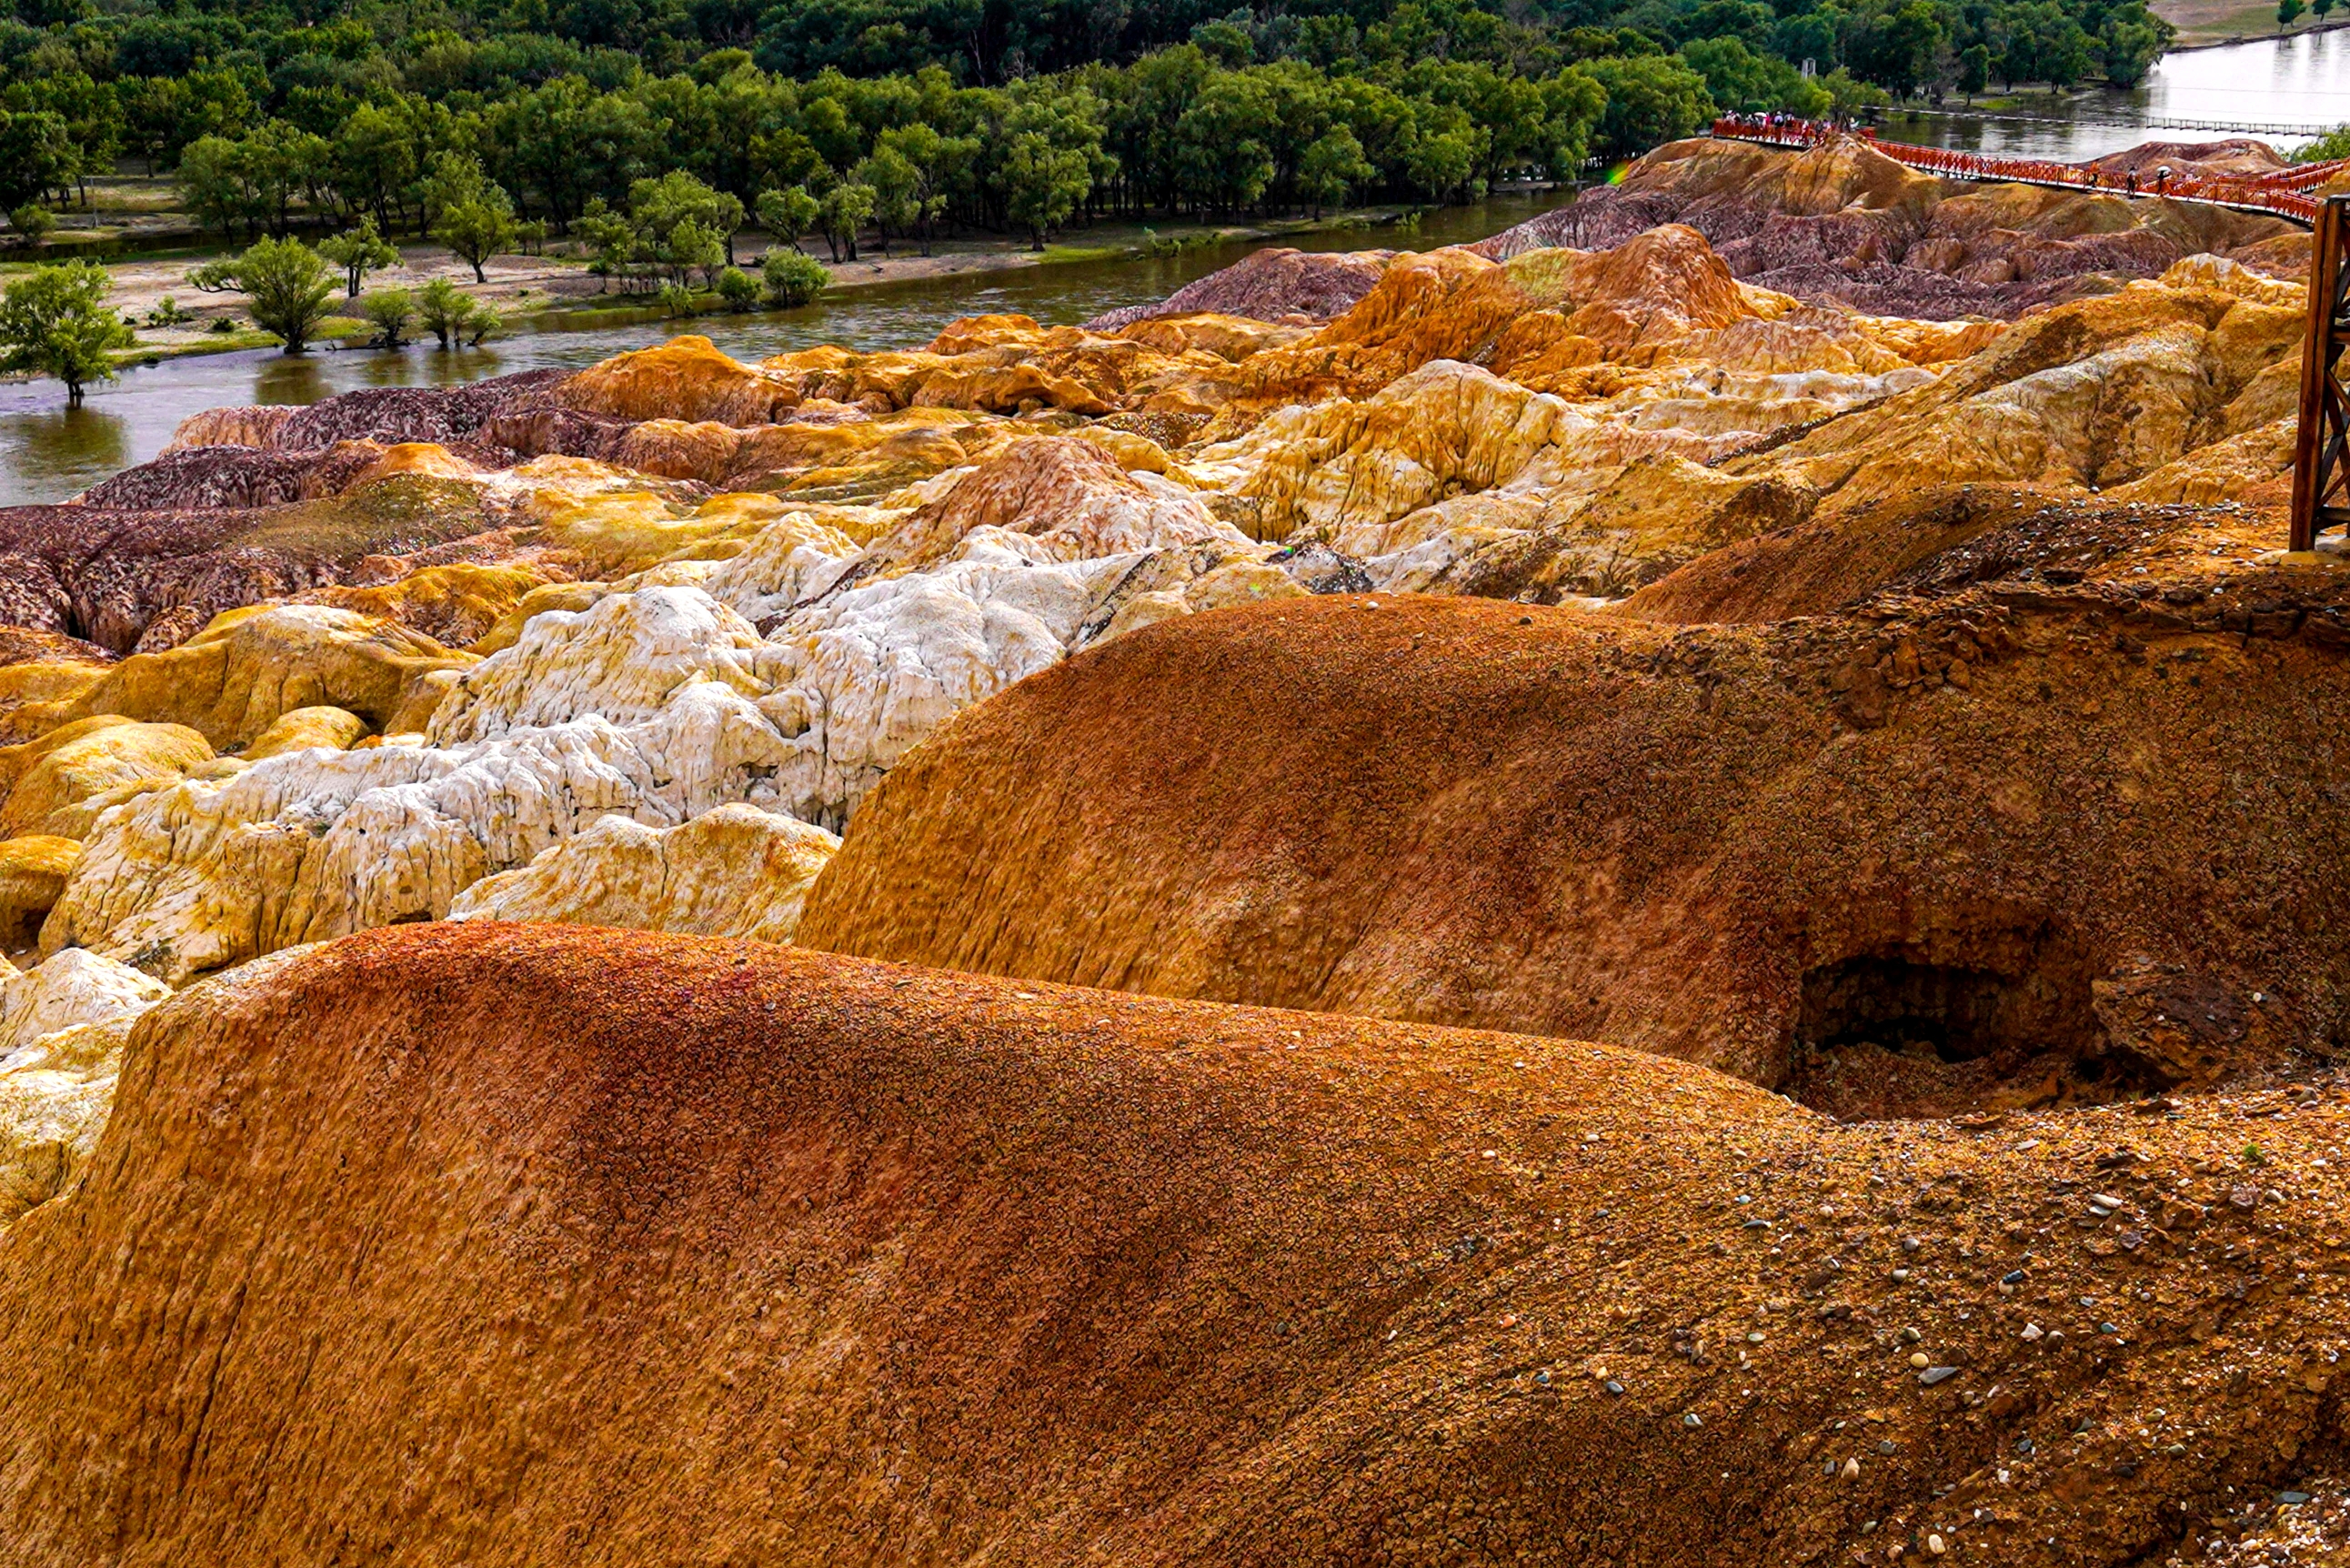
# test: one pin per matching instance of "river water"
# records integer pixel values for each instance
(2302, 79)
(48, 452)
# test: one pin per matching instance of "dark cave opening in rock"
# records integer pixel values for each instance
(1958, 1013)
(1895, 1033)
(23, 932)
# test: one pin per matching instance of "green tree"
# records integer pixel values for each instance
(1573, 102)
(1223, 151)
(288, 288)
(2068, 61)
(55, 323)
(565, 142)
(690, 246)
(286, 164)
(1743, 81)
(252, 183)
(661, 206)
(359, 250)
(735, 287)
(444, 309)
(92, 113)
(211, 103)
(792, 277)
(1441, 157)
(1041, 185)
(608, 238)
(151, 109)
(2334, 144)
(897, 188)
(1848, 96)
(787, 215)
(31, 222)
(376, 158)
(1907, 47)
(841, 213)
(2044, 43)
(1054, 135)
(930, 165)
(2288, 11)
(477, 226)
(1650, 100)
(2132, 47)
(216, 183)
(1332, 165)
(784, 158)
(37, 156)
(389, 310)
(1224, 43)
(1974, 69)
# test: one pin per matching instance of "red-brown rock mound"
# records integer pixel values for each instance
(1842, 221)
(2007, 848)
(511, 1245)
(2235, 157)
(108, 576)
(1270, 285)
(448, 416)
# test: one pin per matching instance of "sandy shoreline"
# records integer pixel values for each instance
(527, 289)
(2221, 24)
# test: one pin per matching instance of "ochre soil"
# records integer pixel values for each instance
(1877, 772)
(2065, 839)
(505, 1245)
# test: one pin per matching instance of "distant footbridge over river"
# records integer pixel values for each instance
(2283, 194)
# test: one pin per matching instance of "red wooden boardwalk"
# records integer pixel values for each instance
(2278, 195)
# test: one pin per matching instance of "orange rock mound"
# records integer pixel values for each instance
(2010, 848)
(534, 1245)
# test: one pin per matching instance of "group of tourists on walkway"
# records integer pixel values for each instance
(2246, 193)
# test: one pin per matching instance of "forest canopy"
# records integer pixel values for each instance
(280, 113)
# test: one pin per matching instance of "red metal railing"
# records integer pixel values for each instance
(2278, 195)
(2305, 176)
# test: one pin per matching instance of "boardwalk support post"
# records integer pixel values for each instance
(2320, 465)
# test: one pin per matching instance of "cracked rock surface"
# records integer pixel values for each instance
(1668, 890)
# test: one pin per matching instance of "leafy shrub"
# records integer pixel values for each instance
(792, 278)
(735, 287)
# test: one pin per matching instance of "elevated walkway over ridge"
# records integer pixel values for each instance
(2278, 195)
